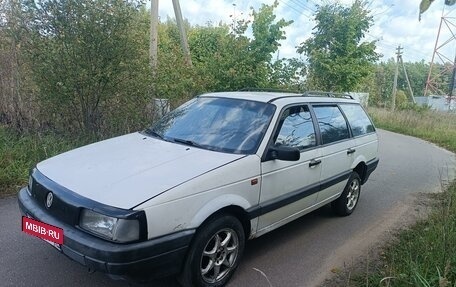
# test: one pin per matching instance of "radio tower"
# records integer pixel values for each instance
(448, 62)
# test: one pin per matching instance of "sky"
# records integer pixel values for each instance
(395, 23)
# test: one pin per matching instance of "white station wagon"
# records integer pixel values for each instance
(183, 196)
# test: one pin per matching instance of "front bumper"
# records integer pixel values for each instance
(154, 258)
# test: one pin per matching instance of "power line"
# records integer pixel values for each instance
(380, 40)
(299, 13)
(384, 11)
(301, 5)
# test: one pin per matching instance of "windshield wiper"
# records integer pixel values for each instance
(188, 142)
(154, 133)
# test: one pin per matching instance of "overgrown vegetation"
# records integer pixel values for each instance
(436, 127)
(379, 84)
(20, 152)
(339, 58)
(75, 70)
(423, 255)
(82, 66)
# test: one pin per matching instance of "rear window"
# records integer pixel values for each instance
(358, 120)
(332, 124)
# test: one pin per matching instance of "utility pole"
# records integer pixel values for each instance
(396, 73)
(153, 44)
(153, 49)
(407, 79)
(183, 35)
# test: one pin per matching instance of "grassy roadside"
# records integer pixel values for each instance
(436, 127)
(19, 153)
(423, 255)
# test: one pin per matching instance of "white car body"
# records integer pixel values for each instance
(180, 186)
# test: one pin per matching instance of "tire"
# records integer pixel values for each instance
(348, 200)
(215, 253)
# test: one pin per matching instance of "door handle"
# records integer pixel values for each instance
(314, 162)
(351, 150)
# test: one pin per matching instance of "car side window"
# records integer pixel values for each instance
(296, 128)
(358, 120)
(333, 126)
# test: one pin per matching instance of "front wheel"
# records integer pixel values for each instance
(349, 198)
(215, 253)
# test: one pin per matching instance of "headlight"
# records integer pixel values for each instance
(115, 229)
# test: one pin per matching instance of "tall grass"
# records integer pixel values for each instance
(20, 152)
(436, 127)
(423, 255)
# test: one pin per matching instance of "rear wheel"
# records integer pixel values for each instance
(215, 253)
(349, 198)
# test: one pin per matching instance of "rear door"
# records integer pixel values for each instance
(362, 129)
(364, 134)
(337, 150)
(289, 187)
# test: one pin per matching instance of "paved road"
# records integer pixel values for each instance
(301, 253)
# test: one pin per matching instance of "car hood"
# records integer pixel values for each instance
(128, 170)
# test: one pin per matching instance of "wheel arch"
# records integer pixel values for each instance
(232, 205)
(361, 169)
(237, 212)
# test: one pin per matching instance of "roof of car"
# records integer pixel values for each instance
(283, 98)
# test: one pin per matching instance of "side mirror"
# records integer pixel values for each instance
(284, 153)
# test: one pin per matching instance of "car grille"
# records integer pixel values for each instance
(63, 210)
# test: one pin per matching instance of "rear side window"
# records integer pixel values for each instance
(333, 126)
(358, 120)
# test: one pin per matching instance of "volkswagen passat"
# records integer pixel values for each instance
(183, 196)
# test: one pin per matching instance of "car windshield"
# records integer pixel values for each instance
(219, 124)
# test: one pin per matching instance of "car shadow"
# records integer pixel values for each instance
(257, 247)
(289, 231)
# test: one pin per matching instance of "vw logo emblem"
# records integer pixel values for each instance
(49, 199)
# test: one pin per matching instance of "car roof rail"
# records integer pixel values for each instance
(327, 94)
(272, 90)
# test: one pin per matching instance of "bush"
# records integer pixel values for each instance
(20, 152)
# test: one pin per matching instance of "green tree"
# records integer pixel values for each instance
(338, 58)
(287, 74)
(379, 83)
(417, 73)
(266, 32)
(83, 53)
(224, 57)
(175, 80)
(227, 59)
(17, 91)
(87, 62)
